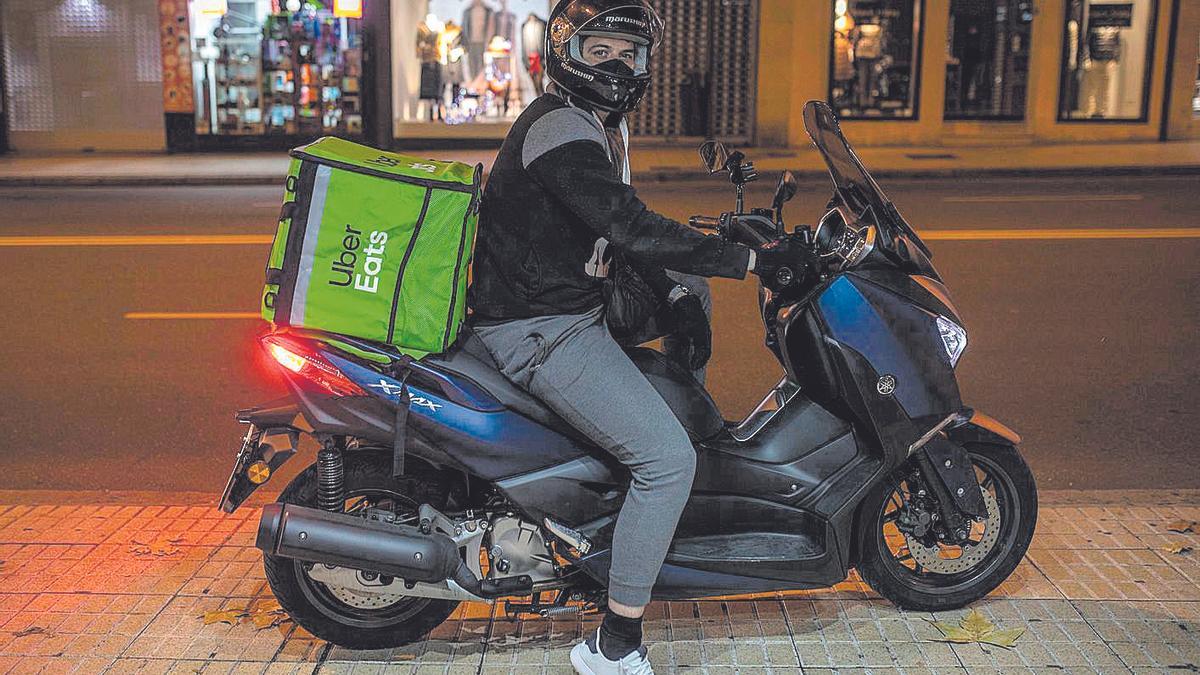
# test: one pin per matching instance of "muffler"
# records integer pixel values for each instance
(360, 542)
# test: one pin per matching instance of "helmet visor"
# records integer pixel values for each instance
(592, 48)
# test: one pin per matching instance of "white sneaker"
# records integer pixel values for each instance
(588, 660)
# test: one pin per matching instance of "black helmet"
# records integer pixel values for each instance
(615, 83)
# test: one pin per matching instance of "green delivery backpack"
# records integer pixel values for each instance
(375, 245)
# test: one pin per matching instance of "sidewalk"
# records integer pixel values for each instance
(650, 162)
(88, 586)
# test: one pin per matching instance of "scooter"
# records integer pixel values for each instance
(862, 457)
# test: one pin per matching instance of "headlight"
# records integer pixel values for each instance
(953, 337)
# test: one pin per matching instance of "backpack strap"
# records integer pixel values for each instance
(401, 371)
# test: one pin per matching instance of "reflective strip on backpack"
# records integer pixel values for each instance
(312, 231)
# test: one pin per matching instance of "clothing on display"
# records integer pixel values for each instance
(987, 58)
(486, 68)
(873, 55)
(533, 38)
(260, 71)
(1108, 46)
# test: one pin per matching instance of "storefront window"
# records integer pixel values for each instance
(987, 58)
(875, 59)
(277, 67)
(1108, 47)
(468, 61)
(1196, 92)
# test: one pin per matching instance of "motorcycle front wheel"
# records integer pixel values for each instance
(902, 558)
(338, 615)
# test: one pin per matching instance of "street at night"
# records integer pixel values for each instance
(123, 364)
(319, 319)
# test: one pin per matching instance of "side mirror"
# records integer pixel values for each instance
(714, 156)
(785, 189)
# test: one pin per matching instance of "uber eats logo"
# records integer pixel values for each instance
(346, 269)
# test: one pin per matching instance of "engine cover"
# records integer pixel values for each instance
(516, 547)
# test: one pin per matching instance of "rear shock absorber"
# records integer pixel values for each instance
(331, 485)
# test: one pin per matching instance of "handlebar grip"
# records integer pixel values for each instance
(704, 222)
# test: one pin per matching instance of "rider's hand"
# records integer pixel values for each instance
(783, 261)
(691, 326)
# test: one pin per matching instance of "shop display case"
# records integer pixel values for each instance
(267, 69)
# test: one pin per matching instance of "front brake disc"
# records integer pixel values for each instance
(933, 558)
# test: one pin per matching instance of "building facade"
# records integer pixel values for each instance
(987, 72)
(219, 74)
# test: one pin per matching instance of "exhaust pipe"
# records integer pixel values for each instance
(356, 542)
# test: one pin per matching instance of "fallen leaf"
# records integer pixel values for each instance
(1182, 526)
(268, 614)
(32, 630)
(158, 547)
(1003, 638)
(1178, 548)
(975, 628)
(231, 616)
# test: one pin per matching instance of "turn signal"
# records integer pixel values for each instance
(292, 362)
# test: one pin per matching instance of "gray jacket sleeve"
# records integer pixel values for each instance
(565, 153)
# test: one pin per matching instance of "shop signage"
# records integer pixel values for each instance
(212, 7)
(349, 9)
(1110, 16)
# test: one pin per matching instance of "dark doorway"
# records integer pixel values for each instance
(988, 59)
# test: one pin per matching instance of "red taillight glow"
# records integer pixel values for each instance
(293, 362)
(311, 366)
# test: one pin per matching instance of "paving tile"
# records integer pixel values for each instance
(1097, 594)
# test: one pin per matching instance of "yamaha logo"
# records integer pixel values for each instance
(886, 385)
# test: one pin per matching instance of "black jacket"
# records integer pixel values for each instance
(553, 213)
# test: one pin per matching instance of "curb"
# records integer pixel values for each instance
(658, 176)
(1139, 497)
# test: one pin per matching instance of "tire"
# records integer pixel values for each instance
(312, 606)
(912, 589)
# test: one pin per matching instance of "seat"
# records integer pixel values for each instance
(687, 399)
(469, 358)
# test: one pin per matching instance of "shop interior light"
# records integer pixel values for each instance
(348, 9)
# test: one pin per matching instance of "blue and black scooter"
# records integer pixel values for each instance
(862, 457)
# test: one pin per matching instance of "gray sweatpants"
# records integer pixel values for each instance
(573, 365)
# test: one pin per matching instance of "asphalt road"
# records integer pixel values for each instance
(1087, 346)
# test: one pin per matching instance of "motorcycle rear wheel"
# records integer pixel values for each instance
(889, 565)
(317, 608)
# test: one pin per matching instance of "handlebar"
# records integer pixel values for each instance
(705, 222)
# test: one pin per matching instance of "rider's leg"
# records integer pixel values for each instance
(576, 368)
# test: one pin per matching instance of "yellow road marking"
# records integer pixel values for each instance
(931, 235)
(139, 240)
(193, 315)
(1063, 233)
(999, 199)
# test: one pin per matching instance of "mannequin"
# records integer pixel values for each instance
(428, 34)
(1100, 68)
(533, 38)
(450, 53)
(478, 26)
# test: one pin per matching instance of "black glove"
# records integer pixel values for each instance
(783, 261)
(691, 327)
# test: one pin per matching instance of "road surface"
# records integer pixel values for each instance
(121, 365)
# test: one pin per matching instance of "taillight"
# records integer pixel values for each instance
(311, 366)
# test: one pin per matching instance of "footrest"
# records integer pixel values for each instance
(746, 546)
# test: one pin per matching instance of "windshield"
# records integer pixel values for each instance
(855, 187)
